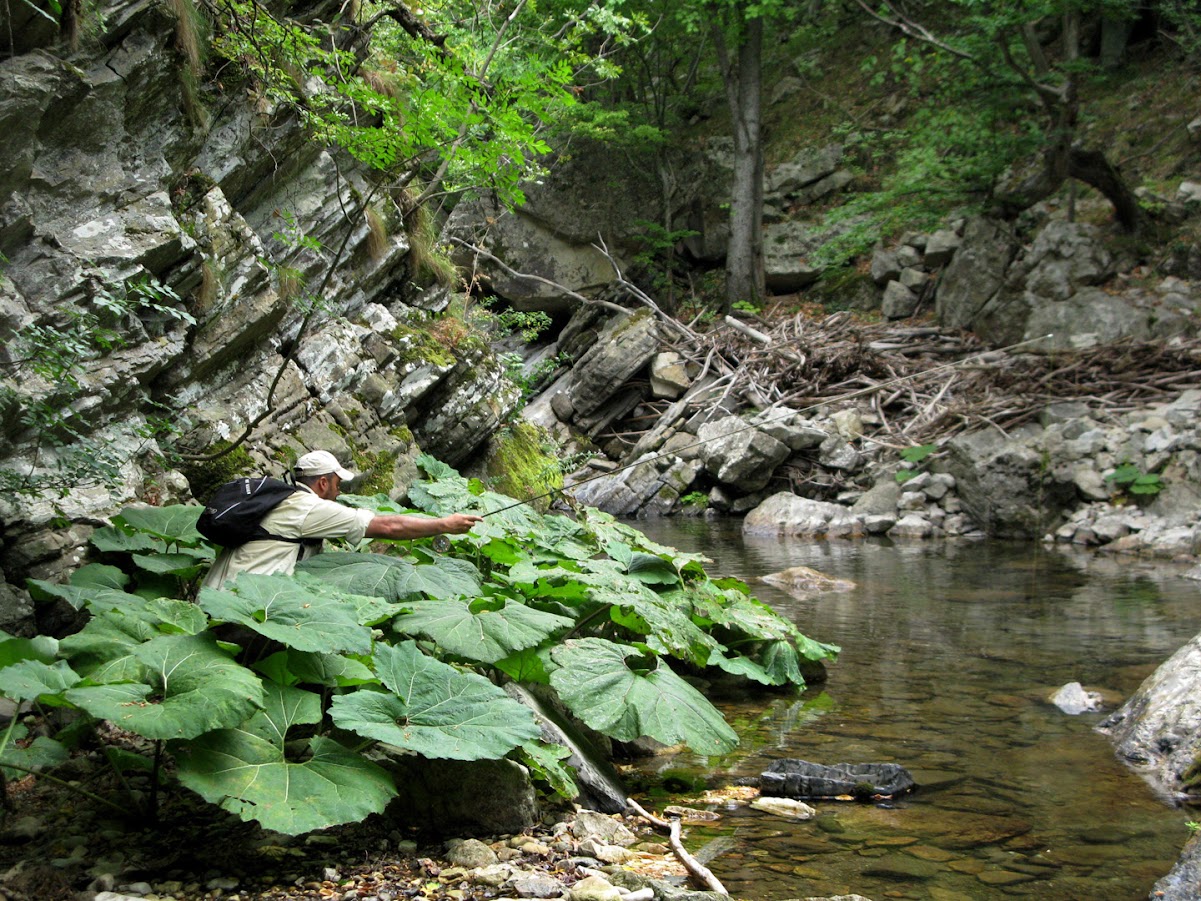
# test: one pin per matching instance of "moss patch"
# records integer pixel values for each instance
(418, 346)
(205, 476)
(521, 463)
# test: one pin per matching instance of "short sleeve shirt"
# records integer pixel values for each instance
(301, 515)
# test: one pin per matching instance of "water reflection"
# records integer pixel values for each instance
(950, 652)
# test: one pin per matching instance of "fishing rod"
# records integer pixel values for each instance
(815, 406)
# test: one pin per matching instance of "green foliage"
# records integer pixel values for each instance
(1129, 479)
(695, 499)
(401, 647)
(461, 102)
(917, 457)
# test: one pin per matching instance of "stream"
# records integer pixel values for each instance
(950, 652)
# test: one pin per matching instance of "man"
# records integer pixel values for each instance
(312, 514)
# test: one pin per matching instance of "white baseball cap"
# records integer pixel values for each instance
(320, 463)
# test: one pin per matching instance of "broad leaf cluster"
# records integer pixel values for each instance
(267, 692)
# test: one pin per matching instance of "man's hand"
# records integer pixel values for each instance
(458, 523)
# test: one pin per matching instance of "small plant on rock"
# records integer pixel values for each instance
(917, 457)
(1133, 483)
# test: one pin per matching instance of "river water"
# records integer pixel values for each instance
(950, 652)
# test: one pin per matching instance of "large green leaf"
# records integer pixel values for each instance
(186, 566)
(30, 679)
(375, 575)
(735, 610)
(175, 523)
(488, 635)
(188, 687)
(299, 611)
(110, 539)
(435, 709)
(292, 667)
(781, 662)
(100, 575)
(387, 577)
(596, 682)
(247, 772)
(40, 754)
(105, 649)
(444, 577)
(744, 666)
(41, 647)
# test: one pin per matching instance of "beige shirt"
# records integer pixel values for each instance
(301, 515)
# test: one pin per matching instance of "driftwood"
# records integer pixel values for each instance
(695, 868)
(925, 385)
(920, 383)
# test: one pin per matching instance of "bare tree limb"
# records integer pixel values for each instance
(694, 867)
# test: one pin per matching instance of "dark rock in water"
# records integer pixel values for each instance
(791, 778)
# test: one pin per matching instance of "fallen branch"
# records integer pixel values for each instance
(694, 867)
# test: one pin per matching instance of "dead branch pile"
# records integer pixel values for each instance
(924, 384)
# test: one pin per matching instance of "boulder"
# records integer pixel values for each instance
(792, 778)
(802, 580)
(976, 273)
(598, 780)
(788, 514)
(1181, 884)
(541, 271)
(1158, 729)
(1072, 699)
(738, 454)
(461, 797)
(624, 346)
(1005, 484)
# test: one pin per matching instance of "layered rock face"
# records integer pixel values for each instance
(178, 266)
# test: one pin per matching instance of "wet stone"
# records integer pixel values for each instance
(935, 780)
(902, 866)
(1106, 835)
(1004, 877)
(930, 853)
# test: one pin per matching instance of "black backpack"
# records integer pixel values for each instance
(233, 513)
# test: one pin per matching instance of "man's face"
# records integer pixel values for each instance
(327, 487)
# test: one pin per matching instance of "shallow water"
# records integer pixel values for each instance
(949, 654)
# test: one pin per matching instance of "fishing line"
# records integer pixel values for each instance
(759, 425)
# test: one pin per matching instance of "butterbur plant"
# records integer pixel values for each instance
(273, 696)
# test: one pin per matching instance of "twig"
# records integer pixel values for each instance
(694, 867)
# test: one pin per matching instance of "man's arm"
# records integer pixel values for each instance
(401, 525)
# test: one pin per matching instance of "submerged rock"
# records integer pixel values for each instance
(803, 580)
(793, 778)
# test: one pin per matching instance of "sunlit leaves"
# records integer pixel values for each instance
(175, 523)
(503, 603)
(186, 687)
(300, 612)
(486, 635)
(247, 770)
(608, 687)
(434, 709)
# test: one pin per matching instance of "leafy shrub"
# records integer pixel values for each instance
(404, 647)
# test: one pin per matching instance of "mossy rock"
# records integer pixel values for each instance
(205, 476)
(522, 463)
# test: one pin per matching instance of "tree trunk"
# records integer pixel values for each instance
(744, 258)
(1093, 168)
